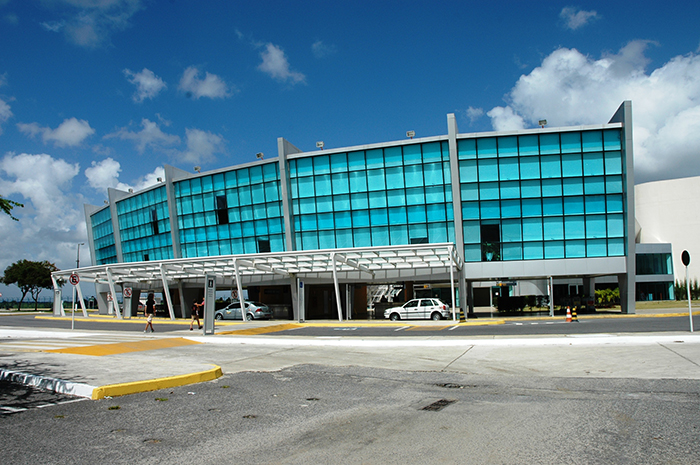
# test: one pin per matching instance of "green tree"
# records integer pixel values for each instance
(31, 277)
(7, 205)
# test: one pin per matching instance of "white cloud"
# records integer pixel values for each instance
(474, 113)
(276, 65)
(504, 119)
(575, 18)
(569, 88)
(148, 85)
(321, 49)
(202, 146)
(51, 222)
(90, 23)
(5, 113)
(104, 174)
(149, 136)
(70, 133)
(211, 86)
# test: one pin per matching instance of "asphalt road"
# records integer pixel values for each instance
(318, 414)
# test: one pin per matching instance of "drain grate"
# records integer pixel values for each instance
(450, 385)
(438, 405)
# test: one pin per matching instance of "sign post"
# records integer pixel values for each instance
(685, 257)
(209, 303)
(74, 280)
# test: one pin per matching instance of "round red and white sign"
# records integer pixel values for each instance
(74, 279)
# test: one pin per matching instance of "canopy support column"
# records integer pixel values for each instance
(166, 293)
(337, 288)
(113, 292)
(57, 299)
(241, 300)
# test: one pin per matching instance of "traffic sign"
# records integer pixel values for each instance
(127, 292)
(685, 257)
(74, 279)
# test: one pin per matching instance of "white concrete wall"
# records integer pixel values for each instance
(669, 211)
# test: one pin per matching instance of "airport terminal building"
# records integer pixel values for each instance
(546, 211)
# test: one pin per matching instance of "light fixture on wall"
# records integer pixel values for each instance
(410, 134)
(260, 155)
(319, 145)
(543, 123)
(198, 169)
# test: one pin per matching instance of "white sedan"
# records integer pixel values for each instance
(434, 309)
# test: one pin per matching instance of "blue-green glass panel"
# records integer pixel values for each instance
(277, 243)
(412, 154)
(309, 241)
(272, 192)
(553, 228)
(594, 185)
(185, 187)
(510, 209)
(326, 239)
(573, 186)
(510, 190)
(341, 202)
(551, 188)
(394, 198)
(432, 173)
(397, 215)
(486, 148)
(611, 139)
(575, 249)
(435, 194)
(256, 175)
(470, 210)
(356, 161)
(511, 231)
(616, 226)
(467, 171)
(378, 217)
(418, 231)
(508, 169)
(533, 251)
(274, 209)
(304, 167)
(530, 189)
(616, 247)
(549, 143)
(344, 238)
(358, 181)
(398, 235)
(378, 199)
(532, 207)
(244, 177)
(595, 226)
(595, 204)
(259, 211)
(323, 184)
(528, 145)
(592, 141)
(376, 180)
(308, 223)
(359, 201)
(570, 142)
(417, 214)
(380, 236)
(232, 180)
(275, 226)
(596, 248)
(324, 204)
(339, 163)
(436, 212)
(198, 220)
(322, 164)
(614, 204)
(244, 196)
(512, 251)
(186, 205)
(374, 158)
(218, 180)
(530, 168)
(574, 227)
(394, 178)
(472, 232)
(325, 221)
(573, 205)
(261, 228)
(415, 196)
(488, 191)
(488, 170)
(532, 229)
(258, 193)
(431, 152)
(466, 149)
(613, 163)
(490, 210)
(437, 232)
(196, 185)
(554, 249)
(393, 156)
(472, 253)
(571, 165)
(360, 218)
(270, 172)
(551, 166)
(307, 206)
(413, 175)
(613, 184)
(593, 164)
(508, 146)
(552, 206)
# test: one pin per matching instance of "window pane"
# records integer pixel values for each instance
(528, 145)
(530, 167)
(614, 203)
(508, 146)
(490, 210)
(613, 163)
(549, 143)
(552, 206)
(573, 205)
(571, 165)
(530, 189)
(488, 191)
(574, 227)
(575, 249)
(613, 184)
(510, 209)
(508, 169)
(554, 249)
(532, 229)
(466, 149)
(510, 190)
(393, 156)
(595, 226)
(467, 171)
(533, 251)
(488, 170)
(593, 164)
(594, 185)
(486, 148)
(611, 138)
(573, 186)
(553, 228)
(551, 166)
(511, 231)
(592, 141)
(596, 248)
(570, 142)
(532, 207)
(394, 178)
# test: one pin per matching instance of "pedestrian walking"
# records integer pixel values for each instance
(197, 310)
(150, 311)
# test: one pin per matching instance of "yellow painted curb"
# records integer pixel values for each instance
(114, 390)
(100, 350)
(134, 319)
(261, 330)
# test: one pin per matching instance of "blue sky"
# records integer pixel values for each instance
(102, 93)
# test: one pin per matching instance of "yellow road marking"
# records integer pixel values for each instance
(125, 347)
(427, 328)
(262, 330)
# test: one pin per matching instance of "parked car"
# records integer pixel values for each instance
(434, 309)
(253, 311)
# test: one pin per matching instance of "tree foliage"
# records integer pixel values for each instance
(681, 289)
(7, 205)
(31, 277)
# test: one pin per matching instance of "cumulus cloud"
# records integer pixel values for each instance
(5, 113)
(148, 85)
(321, 49)
(575, 18)
(211, 86)
(70, 133)
(202, 146)
(569, 88)
(90, 23)
(275, 64)
(474, 113)
(104, 174)
(149, 136)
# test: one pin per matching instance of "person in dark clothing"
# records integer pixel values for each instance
(150, 311)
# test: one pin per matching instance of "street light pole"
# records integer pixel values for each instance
(77, 265)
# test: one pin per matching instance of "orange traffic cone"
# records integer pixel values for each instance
(568, 315)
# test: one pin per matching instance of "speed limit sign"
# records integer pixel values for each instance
(74, 279)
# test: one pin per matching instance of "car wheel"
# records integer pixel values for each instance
(249, 317)
(219, 316)
(436, 316)
(394, 317)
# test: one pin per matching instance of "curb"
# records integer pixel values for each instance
(46, 383)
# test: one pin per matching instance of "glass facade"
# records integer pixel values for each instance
(144, 226)
(654, 263)
(103, 237)
(235, 212)
(385, 196)
(543, 196)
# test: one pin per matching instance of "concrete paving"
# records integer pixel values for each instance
(104, 364)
